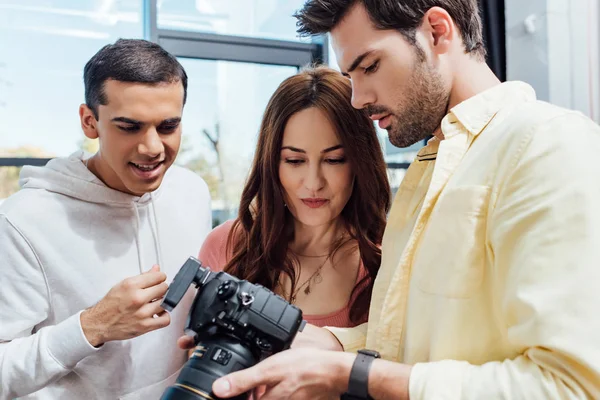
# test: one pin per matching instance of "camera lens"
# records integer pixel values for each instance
(213, 358)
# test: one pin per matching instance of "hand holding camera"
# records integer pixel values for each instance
(128, 310)
(234, 324)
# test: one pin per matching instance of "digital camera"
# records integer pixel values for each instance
(234, 323)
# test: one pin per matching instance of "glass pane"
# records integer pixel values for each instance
(221, 119)
(395, 176)
(45, 46)
(256, 18)
(9, 181)
(394, 154)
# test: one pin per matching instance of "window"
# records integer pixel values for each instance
(235, 52)
(252, 18)
(221, 120)
(41, 73)
(9, 181)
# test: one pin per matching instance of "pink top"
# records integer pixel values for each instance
(214, 254)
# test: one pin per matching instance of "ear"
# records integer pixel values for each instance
(88, 122)
(439, 30)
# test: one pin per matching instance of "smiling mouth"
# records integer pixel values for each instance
(147, 167)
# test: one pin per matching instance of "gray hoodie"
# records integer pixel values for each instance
(65, 240)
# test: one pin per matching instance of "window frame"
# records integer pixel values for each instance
(217, 47)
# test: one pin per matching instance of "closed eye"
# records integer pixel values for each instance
(372, 68)
(129, 128)
(168, 128)
(335, 161)
(294, 161)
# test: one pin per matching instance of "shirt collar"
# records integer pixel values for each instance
(476, 112)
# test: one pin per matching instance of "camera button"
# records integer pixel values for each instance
(226, 290)
(221, 356)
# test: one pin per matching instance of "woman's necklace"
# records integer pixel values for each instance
(315, 278)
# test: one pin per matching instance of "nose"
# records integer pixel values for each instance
(361, 96)
(151, 144)
(314, 180)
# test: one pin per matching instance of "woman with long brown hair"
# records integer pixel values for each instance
(313, 210)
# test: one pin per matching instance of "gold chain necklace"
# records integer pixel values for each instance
(316, 278)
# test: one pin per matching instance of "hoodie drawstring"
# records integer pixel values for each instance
(138, 241)
(156, 235)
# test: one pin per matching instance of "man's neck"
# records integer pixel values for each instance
(471, 78)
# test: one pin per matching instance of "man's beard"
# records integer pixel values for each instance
(420, 113)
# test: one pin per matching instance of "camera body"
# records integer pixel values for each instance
(234, 324)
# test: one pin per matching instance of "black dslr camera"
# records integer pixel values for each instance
(234, 323)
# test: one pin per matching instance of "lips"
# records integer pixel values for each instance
(385, 122)
(146, 170)
(315, 203)
(384, 119)
(147, 167)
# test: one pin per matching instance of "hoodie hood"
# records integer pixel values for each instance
(71, 177)
(65, 240)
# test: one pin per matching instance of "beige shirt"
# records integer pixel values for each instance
(490, 275)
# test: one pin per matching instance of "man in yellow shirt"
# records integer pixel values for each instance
(489, 286)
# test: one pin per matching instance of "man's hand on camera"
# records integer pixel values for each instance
(130, 309)
(296, 374)
(313, 374)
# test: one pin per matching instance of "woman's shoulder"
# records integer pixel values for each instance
(224, 228)
(214, 249)
(218, 236)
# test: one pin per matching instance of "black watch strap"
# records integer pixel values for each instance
(358, 384)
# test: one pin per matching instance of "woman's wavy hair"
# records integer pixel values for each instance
(260, 236)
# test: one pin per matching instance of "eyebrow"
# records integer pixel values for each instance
(297, 150)
(136, 122)
(357, 62)
(175, 120)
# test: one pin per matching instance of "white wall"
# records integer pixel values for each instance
(554, 45)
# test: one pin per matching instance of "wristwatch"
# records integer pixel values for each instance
(358, 385)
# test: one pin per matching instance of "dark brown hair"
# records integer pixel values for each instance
(130, 60)
(405, 16)
(260, 236)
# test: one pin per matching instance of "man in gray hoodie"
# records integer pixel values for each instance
(79, 310)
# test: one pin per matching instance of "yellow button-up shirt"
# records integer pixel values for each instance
(490, 276)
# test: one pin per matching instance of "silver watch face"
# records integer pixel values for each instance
(371, 353)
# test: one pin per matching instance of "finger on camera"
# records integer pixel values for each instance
(155, 293)
(186, 342)
(150, 309)
(159, 321)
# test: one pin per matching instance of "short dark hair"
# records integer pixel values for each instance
(405, 16)
(130, 60)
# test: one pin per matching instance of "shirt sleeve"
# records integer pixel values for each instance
(352, 339)
(30, 359)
